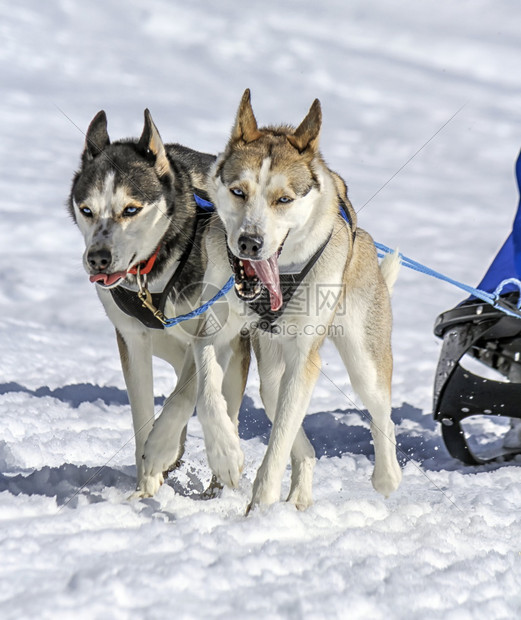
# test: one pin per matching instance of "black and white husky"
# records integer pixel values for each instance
(136, 203)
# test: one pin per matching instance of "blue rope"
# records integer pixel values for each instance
(491, 298)
(190, 315)
(514, 282)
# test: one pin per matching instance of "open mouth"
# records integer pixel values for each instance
(108, 280)
(253, 276)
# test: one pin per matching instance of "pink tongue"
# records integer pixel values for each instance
(108, 278)
(268, 272)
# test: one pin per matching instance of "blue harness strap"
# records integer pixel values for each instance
(490, 298)
(204, 204)
(201, 309)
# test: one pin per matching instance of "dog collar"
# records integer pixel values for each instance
(145, 265)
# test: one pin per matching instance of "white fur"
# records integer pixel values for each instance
(390, 267)
(258, 217)
(132, 239)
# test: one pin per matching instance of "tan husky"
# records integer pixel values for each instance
(303, 271)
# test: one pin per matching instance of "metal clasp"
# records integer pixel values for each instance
(145, 297)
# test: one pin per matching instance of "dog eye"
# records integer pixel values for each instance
(238, 192)
(86, 211)
(131, 210)
(285, 200)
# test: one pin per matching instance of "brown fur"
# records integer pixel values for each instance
(123, 351)
(249, 146)
(265, 163)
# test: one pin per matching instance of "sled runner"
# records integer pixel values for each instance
(476, 330)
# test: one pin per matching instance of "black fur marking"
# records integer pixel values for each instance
(129, 302)
(97, 138)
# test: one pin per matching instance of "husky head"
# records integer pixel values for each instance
(267, 186)
(121, 200)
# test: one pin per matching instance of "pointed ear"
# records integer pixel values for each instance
(245, 127)
(150, 143)
(307, 133)
(96, 138)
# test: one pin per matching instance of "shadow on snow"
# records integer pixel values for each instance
(71, 484)
(68, 482)
(346, 431)
(332, 434)
(76, 394)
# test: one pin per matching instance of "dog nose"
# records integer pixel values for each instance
(99, 259)
(250, 246)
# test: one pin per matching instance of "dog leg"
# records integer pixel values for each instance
(234, 382)
(165, 443)
(302, 366)
(303, 459)
(135, 351)
(367, 356)
(302, 466)
(221, 437)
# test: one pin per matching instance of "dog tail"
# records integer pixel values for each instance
(390, 266)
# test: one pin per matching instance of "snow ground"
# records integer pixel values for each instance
(389, 76)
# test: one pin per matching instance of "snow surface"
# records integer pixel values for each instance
(389, 76)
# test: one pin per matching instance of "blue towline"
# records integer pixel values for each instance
(493, 299)
(201, 309)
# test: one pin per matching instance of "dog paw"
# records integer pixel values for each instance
(147, 486)
(137, 494)
(264, 494)
(301, 491)
(386, 480)
(159, 456)
(226, 459)
(300, 498)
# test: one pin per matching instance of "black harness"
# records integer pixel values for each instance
(290, 282)
(129, 302)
